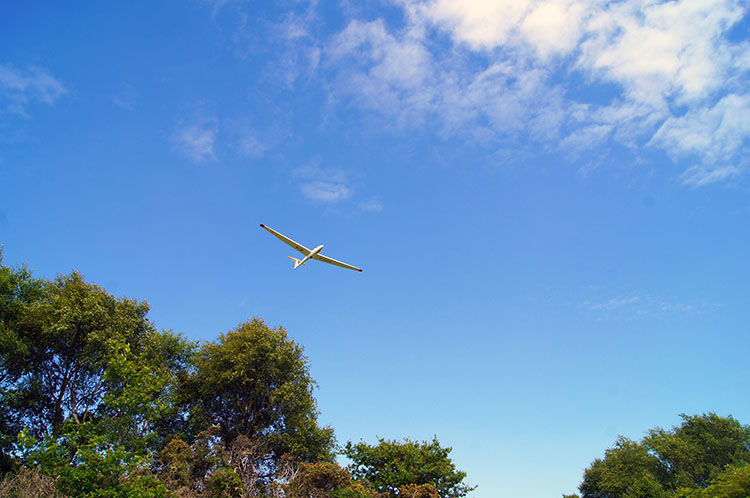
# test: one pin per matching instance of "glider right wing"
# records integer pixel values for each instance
(304, 250)
(332, 261)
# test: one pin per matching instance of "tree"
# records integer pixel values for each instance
(668, 462)
(628, 469)
(395, 467)
(18, 289)
(255, 383)
(697, 451)
(111, 453)
(734, 482)
(64, 336)
(317, 480)
(88, 379)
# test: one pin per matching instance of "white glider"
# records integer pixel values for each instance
(309, 253)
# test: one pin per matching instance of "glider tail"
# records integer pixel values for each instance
(296, 262)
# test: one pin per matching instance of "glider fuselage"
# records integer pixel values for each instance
(312, 254)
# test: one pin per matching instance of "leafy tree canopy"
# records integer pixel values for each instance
(666, 463)
(399, 466)
(255, 383)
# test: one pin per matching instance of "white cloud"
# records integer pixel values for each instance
(553, 26)
(251, 146)
(326, 186)
(586, 138)
(482, 24)
(326, 192)
(717, 132)
(699, 175)
(675, 81)
(196, 141)
(373, 205)
(383, 71)
(19, 88)
(658, 49)
(638, 304)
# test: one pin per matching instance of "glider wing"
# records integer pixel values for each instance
(304, 250)
(331, 261)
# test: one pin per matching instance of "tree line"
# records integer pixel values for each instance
(96, 402)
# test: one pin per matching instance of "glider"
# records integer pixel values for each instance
(309, 253)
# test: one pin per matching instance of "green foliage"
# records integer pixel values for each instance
(357, 489)
(96, 403)
(391, 465)
(255, 382)
(628, 469)
(317, 480)
(734, 482)
(418, 491)
(669, 463)
(224, 483)
(88, 378)
(18, 289)
(696, 452)
(62, 341)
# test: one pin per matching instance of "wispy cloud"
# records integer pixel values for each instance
(634, 305)
(126, 97)
(323, 185)
(19, 88)
(196, 140)
(253, 138)
(326, 192)
(666, 74)
(373, 205)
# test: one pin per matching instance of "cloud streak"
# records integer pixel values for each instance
(640, 305)
(19, 88)
(196, 141)
(324, 186)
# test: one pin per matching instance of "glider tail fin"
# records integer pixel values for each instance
(296, 262)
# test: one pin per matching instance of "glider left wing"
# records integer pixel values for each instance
(304, 250)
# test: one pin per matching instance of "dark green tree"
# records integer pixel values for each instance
(65, 336)
(668, 462)
(86, 381)
(627, 469)
(255, 384)
(18, 290)
(317, 480)
(696, 452)
(393, 466)
(734, 482)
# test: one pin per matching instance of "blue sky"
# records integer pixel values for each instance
(550, 200)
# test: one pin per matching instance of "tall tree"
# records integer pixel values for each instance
(18, 289)
(697, 451)
(734, 482)
(667, 462)
(255, 383)
(398, 466)
(66, 334)
(86, 380)
(627, 469)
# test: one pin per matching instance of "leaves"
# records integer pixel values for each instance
(103, 405)
(391, 465)
(683, 461)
